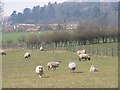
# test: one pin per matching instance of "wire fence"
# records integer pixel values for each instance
(101, 50)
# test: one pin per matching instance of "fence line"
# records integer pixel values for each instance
(91, 49)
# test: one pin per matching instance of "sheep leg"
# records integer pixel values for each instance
(48, 67)
(40, 76)
(79, 59)
(54, 68)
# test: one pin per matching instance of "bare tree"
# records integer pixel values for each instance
(1, 13)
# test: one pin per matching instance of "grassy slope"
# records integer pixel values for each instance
(18, 72)
(14, 35)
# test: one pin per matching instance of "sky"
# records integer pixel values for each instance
(20, 5)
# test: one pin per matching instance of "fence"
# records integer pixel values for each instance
(101, 50)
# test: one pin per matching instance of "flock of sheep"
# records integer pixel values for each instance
(55, 64)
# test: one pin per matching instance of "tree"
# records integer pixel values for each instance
(13, 17)
(27, 15)
(50, 11)
(20, 18)
(42, 13)
(1, 12)
(36, 14)
(55, 13)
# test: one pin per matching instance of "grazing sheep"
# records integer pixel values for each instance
(84, 56)
(39, 70)
(2, 52)
(41, 48)
(53, 65)
(27, 55)
(72, 66)
(93, 68)
(81, 52)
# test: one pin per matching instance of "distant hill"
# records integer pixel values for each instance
(67, 12)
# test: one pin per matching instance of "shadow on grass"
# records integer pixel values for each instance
(45, 76)
(77, 72)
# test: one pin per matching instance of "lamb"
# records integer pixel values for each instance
(27, 55)
(81, 52)
(72, 66)
(53, 65)
(93, 68)
(84, 56)
(2, 52)
(41, 48)
(39, 70)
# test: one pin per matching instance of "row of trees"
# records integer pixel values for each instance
(91, 36)
(63, 12)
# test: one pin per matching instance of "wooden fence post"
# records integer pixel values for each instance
(97, 51)
(106, 51)
(93, 51)
(112, 51)
(101, 52)
(118, 51)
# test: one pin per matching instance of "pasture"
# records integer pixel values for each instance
(15, 35)
(20, 73)
(10, 40)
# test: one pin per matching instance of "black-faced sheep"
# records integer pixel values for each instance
(53, 65)
(39, 70)
(72, 66)
(81, 52)
(2, 52)
(93, 68)
(27, 55)
(84, 56)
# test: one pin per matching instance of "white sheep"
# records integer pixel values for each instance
(53, 65)
(93, 68)
(39, 70)
(81, 52)
(41, 48)
(27, 55)
(84, 56)
(72, 66)
(2, 52)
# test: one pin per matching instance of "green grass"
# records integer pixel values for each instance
(19, 73)
(15, 35)
(12, 36)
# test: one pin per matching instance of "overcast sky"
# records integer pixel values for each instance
(19, 5)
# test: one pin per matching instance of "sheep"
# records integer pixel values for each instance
(72, 66)
(84, 56)
(93, 68)
(53, 65)
(27, 55)
(39, 70)
(2, 52)
(41, 48)
(81, 52)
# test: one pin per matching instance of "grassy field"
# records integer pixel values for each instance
(19, 73)
(15, 35)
